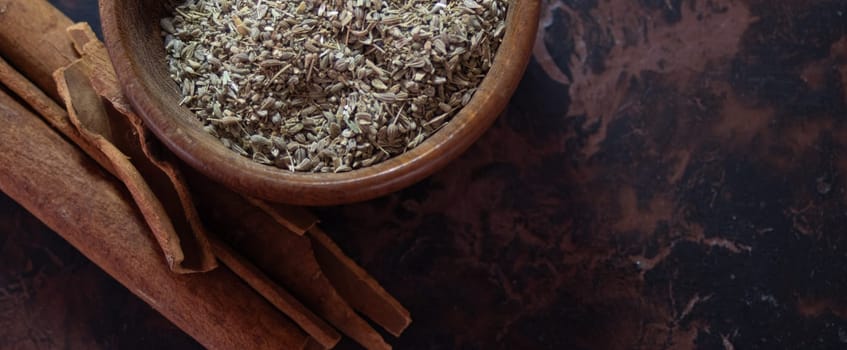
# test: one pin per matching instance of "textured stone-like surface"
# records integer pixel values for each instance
(668, 176)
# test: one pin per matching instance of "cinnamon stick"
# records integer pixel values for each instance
(32, 39)
(281, 254)
(47, 108)
(67, 191)
(351, 281)
(321, 332)
(296, 219)
(39, 47)
(216, 338)
(357, 287)
(104, 79)
(155, 184)
(298, 223)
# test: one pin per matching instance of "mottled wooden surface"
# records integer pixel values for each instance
(668, 176)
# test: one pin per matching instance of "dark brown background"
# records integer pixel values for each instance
(669, 175)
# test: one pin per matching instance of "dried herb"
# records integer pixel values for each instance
(329, 85)
(61, 184)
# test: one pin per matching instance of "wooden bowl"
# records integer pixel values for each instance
(131, 30)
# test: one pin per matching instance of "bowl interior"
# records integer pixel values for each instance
(131, 29)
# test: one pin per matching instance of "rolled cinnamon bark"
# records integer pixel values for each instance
(351, 281)
(47, 108)
(32, 39)
(292, 219)
(298, 220)
(31, 27)
(155, 184)
(321, 332)
(357, 287)
(282, 255)
(67, 191)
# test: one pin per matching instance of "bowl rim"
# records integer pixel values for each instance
(205, 153)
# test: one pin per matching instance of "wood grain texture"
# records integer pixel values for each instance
(131, 30)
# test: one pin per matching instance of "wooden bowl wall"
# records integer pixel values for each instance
(131, 30)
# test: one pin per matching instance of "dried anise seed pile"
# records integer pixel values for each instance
(329, 85)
